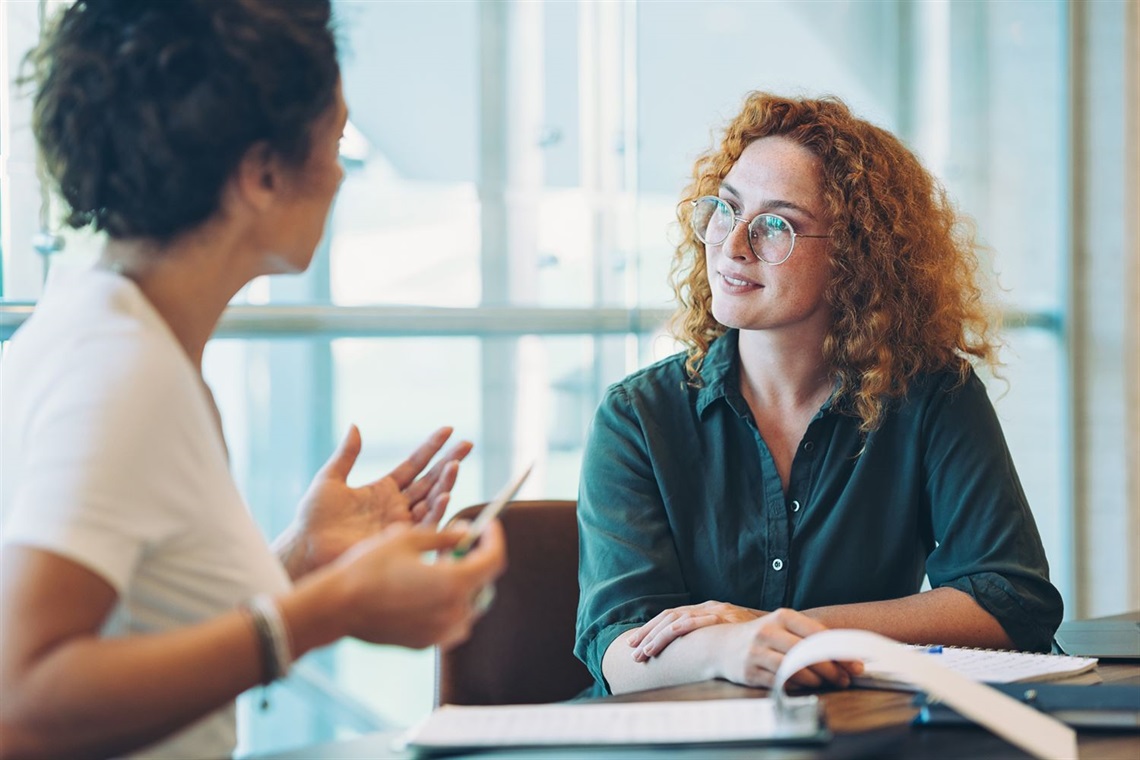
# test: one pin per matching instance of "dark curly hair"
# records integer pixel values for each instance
(143, 109)
(903, 286)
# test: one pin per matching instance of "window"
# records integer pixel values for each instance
(499, 251)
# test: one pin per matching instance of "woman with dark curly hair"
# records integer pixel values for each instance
(139, 598)
(823, 443)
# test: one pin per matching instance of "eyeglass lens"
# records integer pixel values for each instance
(769, 236)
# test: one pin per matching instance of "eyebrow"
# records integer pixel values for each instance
(778, 204)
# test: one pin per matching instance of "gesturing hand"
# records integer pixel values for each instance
(334, 516)
(651, 639)
(399, 597)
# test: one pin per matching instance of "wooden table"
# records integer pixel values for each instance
(866, 723)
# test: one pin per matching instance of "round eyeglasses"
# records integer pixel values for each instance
(770, 236)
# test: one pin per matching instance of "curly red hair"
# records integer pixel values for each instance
(903, 286)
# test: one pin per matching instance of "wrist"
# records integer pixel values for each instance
(290, 551)
(273, 637)
(820, 615)
(316, 611)
(728, 649)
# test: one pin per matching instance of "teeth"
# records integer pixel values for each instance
(734, 281)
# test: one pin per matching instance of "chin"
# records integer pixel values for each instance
(284, 264)
(731, 318)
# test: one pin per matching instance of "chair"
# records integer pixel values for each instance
(521, 650)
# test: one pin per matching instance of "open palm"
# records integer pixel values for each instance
(334, 516)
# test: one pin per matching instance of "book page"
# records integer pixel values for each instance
(1023, 726)
(601, 723)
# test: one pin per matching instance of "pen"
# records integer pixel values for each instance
(489, 513)
(934, 649)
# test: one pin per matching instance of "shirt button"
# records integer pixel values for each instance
(777, 564)
(795, 506)
(809, 446)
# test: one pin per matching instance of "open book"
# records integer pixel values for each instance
(778, 718)
(985, 665)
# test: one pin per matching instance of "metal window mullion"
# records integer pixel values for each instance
(1076, 332)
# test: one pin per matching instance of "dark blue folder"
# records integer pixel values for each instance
(1106, 706)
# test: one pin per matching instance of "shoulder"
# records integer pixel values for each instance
(945, 387)
(95, 351)
(946, 400)
(664, 381)
(651, 398)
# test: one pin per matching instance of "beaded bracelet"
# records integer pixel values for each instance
(272, 636)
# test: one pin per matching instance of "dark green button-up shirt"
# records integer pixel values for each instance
(680, 503)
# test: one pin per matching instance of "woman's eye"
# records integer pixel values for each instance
(775, 224)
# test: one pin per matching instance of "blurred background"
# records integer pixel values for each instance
(499, 252)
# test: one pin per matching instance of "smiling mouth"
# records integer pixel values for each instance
(739, 283)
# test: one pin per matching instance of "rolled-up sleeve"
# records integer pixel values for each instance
(987, 544)
(628, 565)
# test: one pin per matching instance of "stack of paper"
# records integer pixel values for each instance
(985, 665)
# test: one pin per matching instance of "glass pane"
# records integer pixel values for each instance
(406, 227)
(1012, 180)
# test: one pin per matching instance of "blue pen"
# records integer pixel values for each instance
(934, 649)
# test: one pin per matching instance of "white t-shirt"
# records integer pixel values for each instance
(111, 456)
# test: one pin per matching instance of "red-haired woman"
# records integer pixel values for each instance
(823, 444)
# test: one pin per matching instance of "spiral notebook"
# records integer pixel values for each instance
(989, 666)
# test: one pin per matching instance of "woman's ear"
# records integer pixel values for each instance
(258, 177)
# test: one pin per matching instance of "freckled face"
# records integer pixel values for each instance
(776, 176)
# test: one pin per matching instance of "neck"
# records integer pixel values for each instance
(188, 281)
(783, 370)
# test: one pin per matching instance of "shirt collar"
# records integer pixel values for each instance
(720, 375)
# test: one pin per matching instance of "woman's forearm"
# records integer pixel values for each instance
(689, 659)
(938, 616)
(98, 697)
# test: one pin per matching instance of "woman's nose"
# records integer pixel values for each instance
(736, 244)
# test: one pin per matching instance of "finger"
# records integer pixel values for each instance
(660, 624)
(637, 635)
(640, 634)
(813, 676)
(798, 623)
(769, 660)
(487, 560)
(806, 677)
(831, 673)
(435, 509)
(853, 667)
(455, 454)
(653, 643)
(340, 463)
(683, 625)
(445, 481)
(407, 470)
(419, 512)
(425, 539)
